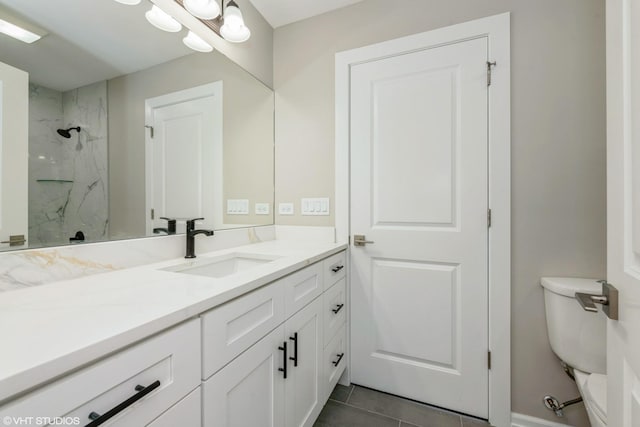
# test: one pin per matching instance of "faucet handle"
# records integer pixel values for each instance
(171, 224)
(191, 223)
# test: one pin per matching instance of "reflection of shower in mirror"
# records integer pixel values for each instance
(66, 133)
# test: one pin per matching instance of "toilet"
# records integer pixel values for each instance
(578, 338)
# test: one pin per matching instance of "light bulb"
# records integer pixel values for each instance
(162, 20)
(203, 9)
(194, 42)
(234, 29)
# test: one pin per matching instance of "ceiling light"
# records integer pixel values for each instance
(17, 32)
(129, 2)
(162, 20)
(233, 29)
(194, 42)
(203, 9)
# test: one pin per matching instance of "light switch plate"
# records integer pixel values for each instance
(262, 208)
(285, 209)
(238, 207)
(314, 206)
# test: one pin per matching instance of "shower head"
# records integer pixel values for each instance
(65, 133)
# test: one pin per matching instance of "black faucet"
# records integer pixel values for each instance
(191, 234)
(171, 227)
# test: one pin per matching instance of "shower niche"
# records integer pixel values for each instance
(68, 164)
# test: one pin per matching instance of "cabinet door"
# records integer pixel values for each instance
(249, 391)
(303, 387)
(185, 413)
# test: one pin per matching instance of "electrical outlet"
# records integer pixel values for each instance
(262, 208)
(285, 209)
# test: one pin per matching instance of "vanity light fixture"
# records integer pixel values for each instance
(129, 2)
(162, 20)
(234, 30)
(194, 42)
(228, 23)
(203, 9)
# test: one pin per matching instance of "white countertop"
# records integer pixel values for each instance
(49, 330)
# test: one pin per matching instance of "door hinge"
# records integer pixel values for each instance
(489, 68)
(349, 243)
(489, 218)
(489, 359)
(153, 214)
(150, 130)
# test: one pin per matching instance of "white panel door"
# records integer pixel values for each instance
(419, 191)
(184, 156)
(249, 391)
(303, 387)
(14, 146)
(623, 210)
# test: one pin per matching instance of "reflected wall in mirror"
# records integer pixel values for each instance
(126, 126)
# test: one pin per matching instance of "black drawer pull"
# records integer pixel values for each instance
(294, 338)
(337, 362)
(338, 308)
(284, 359)
(337, 268)
(98, 419)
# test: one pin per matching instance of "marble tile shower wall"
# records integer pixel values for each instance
(68, 177)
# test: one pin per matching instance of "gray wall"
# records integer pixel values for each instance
(558, 146)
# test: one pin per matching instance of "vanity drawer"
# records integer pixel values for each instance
(233, 327)
(335, 361)
(166, 365)
(334, 268)
(335, 307)
(302, 287)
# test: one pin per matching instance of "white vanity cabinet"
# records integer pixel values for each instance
(280, 381)
(268, 358)
(133, 387)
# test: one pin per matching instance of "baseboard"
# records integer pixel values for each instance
(520, 420)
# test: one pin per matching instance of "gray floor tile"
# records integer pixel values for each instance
(405, 410)
(336, 414)
(341, 393)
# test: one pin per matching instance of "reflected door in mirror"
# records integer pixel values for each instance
(184, 156)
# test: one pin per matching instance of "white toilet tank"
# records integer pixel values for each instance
(578, 337)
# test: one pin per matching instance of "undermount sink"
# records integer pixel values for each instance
(222, 266)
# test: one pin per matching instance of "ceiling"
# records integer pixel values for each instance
(95, 40)
(88, 41)
(283, 12)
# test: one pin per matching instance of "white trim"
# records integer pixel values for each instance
(497, 30)
(214, 89)
(520, 420)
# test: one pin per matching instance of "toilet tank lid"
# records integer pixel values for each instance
(568, 286)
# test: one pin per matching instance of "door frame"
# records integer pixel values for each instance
(497, 31)
(214, 89)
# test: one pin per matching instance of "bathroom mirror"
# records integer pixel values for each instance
(127, 125)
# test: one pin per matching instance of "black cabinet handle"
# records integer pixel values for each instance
(338, 308)
(337, 362)
(294, 338)
(284, 359)
(337, 268)
(98, 419)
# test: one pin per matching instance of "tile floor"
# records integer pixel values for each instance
(356, 406)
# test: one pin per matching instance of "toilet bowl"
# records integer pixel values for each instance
(578, 338)
(593, 389)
